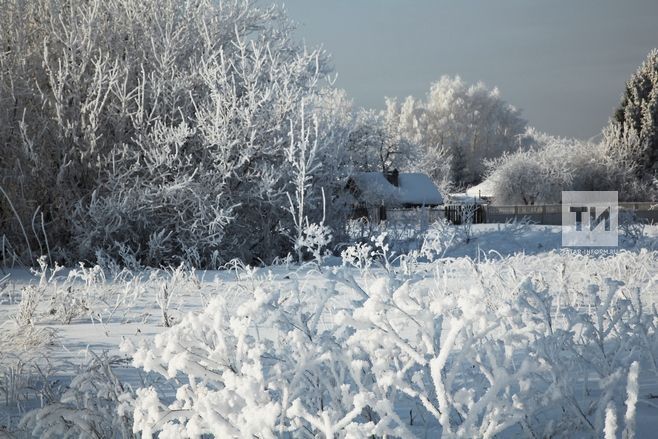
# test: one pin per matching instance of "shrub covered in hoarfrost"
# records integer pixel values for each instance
(440, 237)
(388, 352)
(142, 128)
(262, 369)
(95, 404)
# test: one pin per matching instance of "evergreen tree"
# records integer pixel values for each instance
(637, 117)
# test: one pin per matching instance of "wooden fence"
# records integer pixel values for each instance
(548, 214)
(459, 213)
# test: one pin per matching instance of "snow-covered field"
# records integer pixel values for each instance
(504, 335)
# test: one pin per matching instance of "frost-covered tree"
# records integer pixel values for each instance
(145, 128)
(399, 149)
(364, 140)
(377, 142)
(302, 156)
(553, 165)
(516, 181)
(635, 122)
(467, 123)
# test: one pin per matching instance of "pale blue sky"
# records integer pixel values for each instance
(563, 62)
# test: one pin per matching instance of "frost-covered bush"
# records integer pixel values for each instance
(466, 379)
(481, 363)
(32, 295)
(358, 255)
(315, 239)
(441, 236)
(362, 254)
(95, 404)
(143, 128)
(405, 230)
(516, 181)
(168, 284)
(406, 353)
(264, 369)
(67, 305)
(26, 373)
(83, 293)
(539, 175)
(631, 227)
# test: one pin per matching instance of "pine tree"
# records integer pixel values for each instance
(637, 116)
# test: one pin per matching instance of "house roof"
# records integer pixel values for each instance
(484, 189)
(414, 189)
(464, 198)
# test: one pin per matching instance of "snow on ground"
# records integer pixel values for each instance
(471, 280)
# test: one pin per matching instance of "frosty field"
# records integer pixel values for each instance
(467, 342)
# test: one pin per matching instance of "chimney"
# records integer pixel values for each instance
(393, 177)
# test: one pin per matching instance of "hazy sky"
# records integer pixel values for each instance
(563, 62)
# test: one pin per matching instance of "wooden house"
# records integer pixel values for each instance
(374, 194)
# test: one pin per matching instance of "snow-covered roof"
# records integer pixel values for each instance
(463, 198)
(414, 189)
(484, 189)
